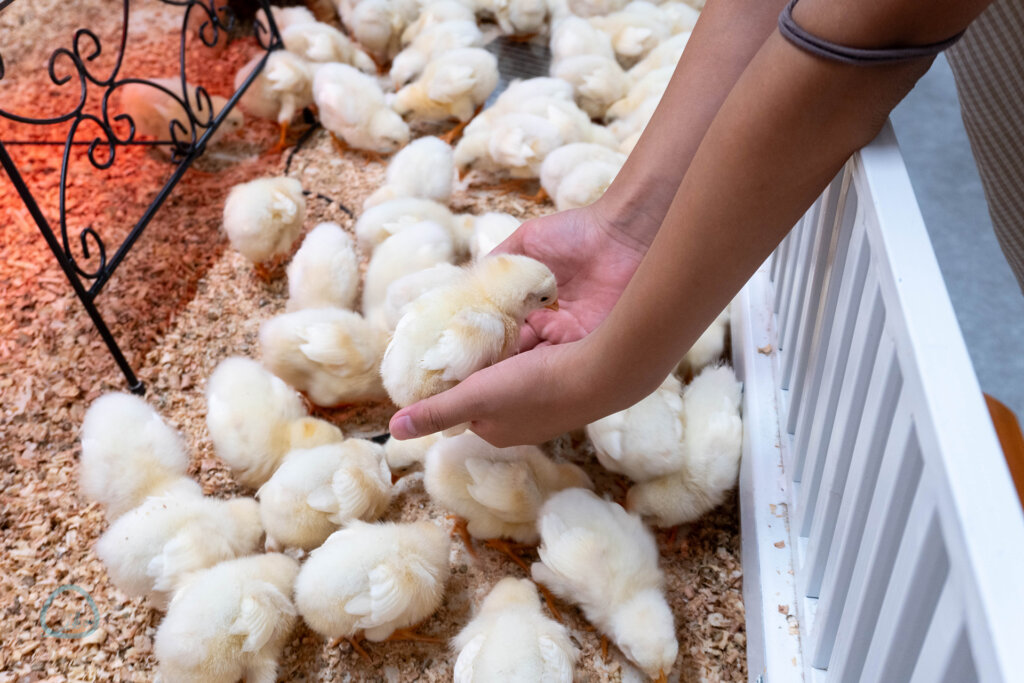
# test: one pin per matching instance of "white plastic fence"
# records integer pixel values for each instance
(882, 537)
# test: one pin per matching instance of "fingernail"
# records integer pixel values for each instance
(402, 428)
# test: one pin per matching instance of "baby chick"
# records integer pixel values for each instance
(564, 161)
(635, 30)
(451, 332)
(574, 36)
(592, 8)
(643, 441)
(431, 42)
(407, 289)
(498, 491)
(351, 106)
(128, 454)
(229, 622)
(383, 220)
(667, 53)
(379, 579)
(403, 456)
(681, 17)
(653, 84)
(263, 217)
(713, 444)
(325, 270)
(285, 17)
(454, 84)
(599, 556)
(490, 230)
(255, 419)
(317, 490)
(280, 91)
(424, 168)
(707, 349)
(525, 18)
(511, 640)
(598, 81)
(322, 43)
(150, 549)
(435, 12)
(158, 109)
(329, 353)
(417, 247)
(585, 185)
(377, 24)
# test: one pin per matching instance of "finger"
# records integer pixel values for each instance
(512, 245)
(434, 414)
(528, 337)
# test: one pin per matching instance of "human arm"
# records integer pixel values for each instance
(786, 128)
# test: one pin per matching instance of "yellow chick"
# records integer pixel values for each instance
(423, 168)
(454, 84)
(407, 289)
(374, 578)
(128, 454)
(451, 332)
(712, 446)
(280, 91)
(573, 36)
(229, 622)
(255, 419)
(490, 230)
(325, 270)
(435, 12)
(157, 109)
(383, 220)
(403, 456)
(511, 640)
(416, 248)
(597, 80)
(598, 556)
(322, 43)
(643, 441)
(263, 217)
(498, 491)
(708, 348)
(351, 106)
(565, 160)
(150, 549)
(317, 490)
(431, 42)
(330, 354)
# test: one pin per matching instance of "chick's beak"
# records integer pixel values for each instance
(662, 678)
(553, 306)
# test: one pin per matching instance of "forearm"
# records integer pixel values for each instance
(726, 38)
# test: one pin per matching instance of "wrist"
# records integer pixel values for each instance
(626, 218)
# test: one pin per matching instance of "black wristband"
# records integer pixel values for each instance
(857, 56)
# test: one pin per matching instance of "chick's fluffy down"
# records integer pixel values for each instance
(263, 217)
(373, 578)
(511, 640)
(229, 622)
(325, 270)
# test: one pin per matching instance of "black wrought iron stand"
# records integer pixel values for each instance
(186, 143)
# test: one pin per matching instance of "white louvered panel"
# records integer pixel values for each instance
(807, 229)
(945, 643)
(785, 266)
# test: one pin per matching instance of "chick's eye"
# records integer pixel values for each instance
(543, 299)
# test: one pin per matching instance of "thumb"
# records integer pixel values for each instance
(434, 414)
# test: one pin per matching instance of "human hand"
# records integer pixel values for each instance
(593, 261)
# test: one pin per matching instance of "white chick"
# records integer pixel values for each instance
(636, 121)
(680, 16)
(280, 91)
(329, 353)
(667, 53)
(325, 270)
(453, 85)
(451, 332)
(351, 106)
(645, 440)
(517, 17)
(438, 38)
(255, 419)
(653, 84)
(128, 454)
(423, 168)
(416, 248)
(229, 622)
(564, 160)
(629, 142)
(405, 455)
(263, 217)
(585, 184)
(377, 25)
(149, 550)
(407, 289)
(713, 445)
(593, 8)
(520, 142)
(490, 230)
(598, 81)
(597, 555)
(707, 349)
(383, 220)
(435, 13)
(498, 491)
(321, 43)
(315, 491)
(374, 578)
(573, 36)
(285, 17)
(156, 111)
(511, 640)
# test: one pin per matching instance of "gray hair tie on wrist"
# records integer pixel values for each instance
(858, 56)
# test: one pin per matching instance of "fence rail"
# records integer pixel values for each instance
(882, 537)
